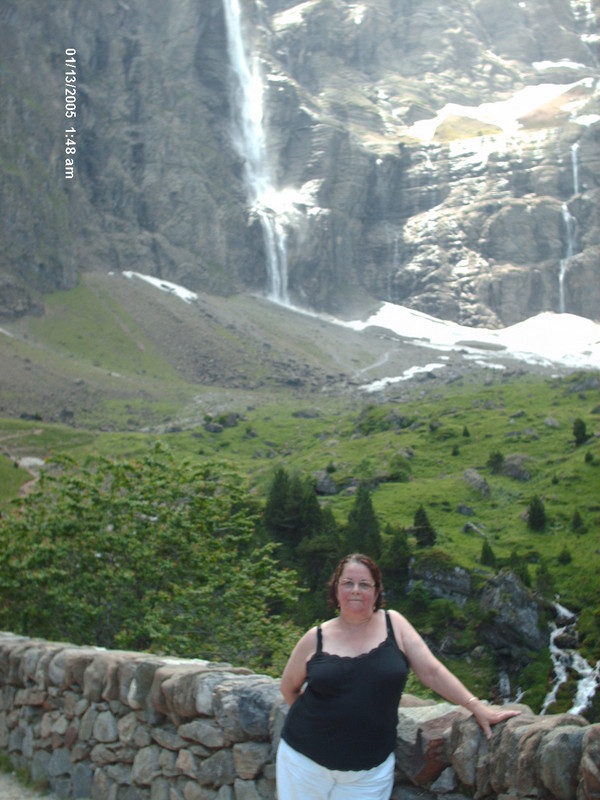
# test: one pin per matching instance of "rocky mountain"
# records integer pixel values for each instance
(444, 156)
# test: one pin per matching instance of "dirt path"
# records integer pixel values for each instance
(12, 789)
(31, 465)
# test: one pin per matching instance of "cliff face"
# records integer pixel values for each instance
(487, 217)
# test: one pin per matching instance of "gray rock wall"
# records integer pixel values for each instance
(113, 725)
(158, 187)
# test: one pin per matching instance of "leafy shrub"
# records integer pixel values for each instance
(152, 555)
(495, 462)
(398, 469)
(418, 598)
(564, 557)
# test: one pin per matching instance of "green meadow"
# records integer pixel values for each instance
(514, 429)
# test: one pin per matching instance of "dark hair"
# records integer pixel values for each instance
(358, 558)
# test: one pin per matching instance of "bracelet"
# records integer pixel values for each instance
(470, 700)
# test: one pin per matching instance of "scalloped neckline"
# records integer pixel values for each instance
(358, 655)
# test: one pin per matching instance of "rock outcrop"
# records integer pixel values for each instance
(513, 627)
(406, 187)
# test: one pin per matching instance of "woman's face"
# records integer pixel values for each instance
(356, 592)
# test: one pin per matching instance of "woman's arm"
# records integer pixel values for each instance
(294, 674)
(436, 676)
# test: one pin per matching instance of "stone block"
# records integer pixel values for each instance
(203, 731)
(590, 764)
(558, 761)
(30, 661)
(119, 773)
(88, 721)
(205, 687)
(217, 769)
(423, 740)
(168, 739)
(82, 778)
(101, 676)
(135, 683)
(60, 763)
(243, 707)
(146, 765)
(245, 790)
(249, 758)
(187, 763)
(105, 728)
(75, 662)
(39, 766)
(174, 690)
(160, 790)
(103, 788)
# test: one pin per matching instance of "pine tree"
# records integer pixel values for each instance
(520, 568)
(292, 512)
(544, 582)
(275, 513)
(362, 529)
(579, 432)
(395, 556)
(577, 522)
(487, 558)
(536, 514)
(424, 531)
(304, 511)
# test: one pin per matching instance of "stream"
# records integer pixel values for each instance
(566, 659)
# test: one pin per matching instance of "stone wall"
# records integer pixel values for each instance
(114, 725)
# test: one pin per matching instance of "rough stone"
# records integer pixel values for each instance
(205, 732)
(477, 482)
(217, 769)
(249, 758)
(145, 766)
(559, 760)
(422, 749)
(590, 764)
(437, 745)
(105, 728)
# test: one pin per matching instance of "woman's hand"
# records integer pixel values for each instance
(487, 716)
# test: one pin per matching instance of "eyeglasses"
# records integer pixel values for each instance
(348, 585)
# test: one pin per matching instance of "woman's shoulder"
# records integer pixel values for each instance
(401, 626)
(308, 640)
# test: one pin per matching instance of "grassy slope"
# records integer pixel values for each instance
(133, 380)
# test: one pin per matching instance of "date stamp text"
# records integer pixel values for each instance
(70, 111)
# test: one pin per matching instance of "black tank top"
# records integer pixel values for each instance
(346, 717)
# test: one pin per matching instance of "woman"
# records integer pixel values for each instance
(343, 683)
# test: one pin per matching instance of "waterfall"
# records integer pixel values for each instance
(565, 660)
(570, 224)
(271, 207)
(575, 167)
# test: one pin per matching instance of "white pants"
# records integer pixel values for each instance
(300, 778)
